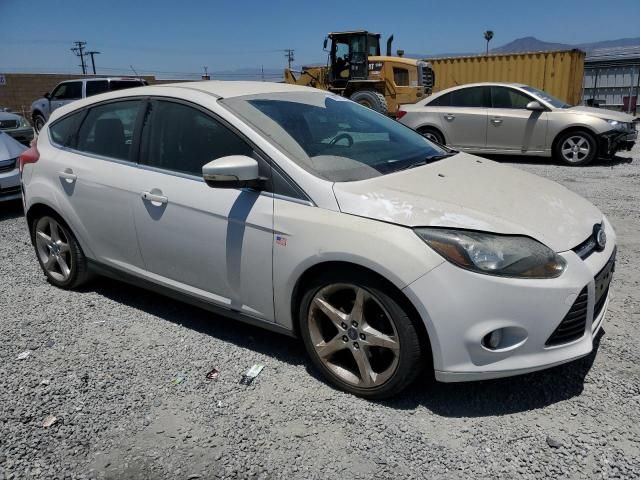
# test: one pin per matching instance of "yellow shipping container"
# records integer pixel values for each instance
(558, 73)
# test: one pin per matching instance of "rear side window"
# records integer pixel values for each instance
(107, 129)
(62, 131)
(95, 87)
(470, 97)
(67, 91)
(122, 84)
(441, 101)
(503, 97)
(184, 139)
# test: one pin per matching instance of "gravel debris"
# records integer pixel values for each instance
(103, 361)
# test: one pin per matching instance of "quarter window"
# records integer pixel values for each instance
(184, 139)
(441, 101)
(67, 91)
(502, 97)
(108, 129)
(62, 130)
(97, 86)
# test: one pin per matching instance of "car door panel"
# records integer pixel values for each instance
(513, 128)
(215, 242)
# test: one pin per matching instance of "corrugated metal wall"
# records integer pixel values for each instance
(558, 73)
(609, 84)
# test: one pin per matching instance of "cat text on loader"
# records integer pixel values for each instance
(356, 70)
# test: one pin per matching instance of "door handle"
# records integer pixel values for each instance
(68, 175)
(449, 116)
(496, 121)
(154, 198)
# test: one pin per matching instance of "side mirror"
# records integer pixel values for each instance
(47, 95)
(535, 106)
(324, 45)
(234, 171)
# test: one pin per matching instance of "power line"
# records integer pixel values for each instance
(78, 50)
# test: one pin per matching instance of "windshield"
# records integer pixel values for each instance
(334, 138)
(555, 102)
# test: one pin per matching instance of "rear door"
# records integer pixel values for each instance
(462, 114)
(213, 243)
(96, 178)
(513, 128)
(65, 93)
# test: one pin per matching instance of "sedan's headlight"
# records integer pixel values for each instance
(617, 125)
(492, 254)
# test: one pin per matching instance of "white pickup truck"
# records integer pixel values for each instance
(70, 90)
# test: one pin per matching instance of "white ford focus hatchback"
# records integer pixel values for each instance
(308, 214)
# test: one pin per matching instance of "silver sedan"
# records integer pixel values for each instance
(516, 119)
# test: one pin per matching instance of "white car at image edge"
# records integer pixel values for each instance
(308, 214)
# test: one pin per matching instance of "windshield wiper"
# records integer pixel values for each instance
(427, 160)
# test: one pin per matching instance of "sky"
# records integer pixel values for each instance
(176, 38)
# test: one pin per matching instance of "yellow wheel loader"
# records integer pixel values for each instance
(356, 70)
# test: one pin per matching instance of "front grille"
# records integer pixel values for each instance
(573, 324)
(586, 248)
(426, 76)
(7, 166)
(9, 124)
(9, 191)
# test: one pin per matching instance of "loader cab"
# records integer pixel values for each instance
(349, 54)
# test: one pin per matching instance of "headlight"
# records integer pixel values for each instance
(619, 125)
(24, 123)
(492, 254)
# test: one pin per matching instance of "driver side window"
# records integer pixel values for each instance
(503, 97)
(67, 91)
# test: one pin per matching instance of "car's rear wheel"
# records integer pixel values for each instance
(576, 148)
(58, 252)
(359, 336)
(38, 122)
(432, 134)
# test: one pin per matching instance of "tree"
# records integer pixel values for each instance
(488, 35)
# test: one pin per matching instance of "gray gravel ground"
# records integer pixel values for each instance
(104, 361)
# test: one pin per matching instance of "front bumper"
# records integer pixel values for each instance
(615, 141)
(22, 135)
(459, 308)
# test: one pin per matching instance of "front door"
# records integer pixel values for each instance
(65, 93)
(212, 243)
(513, 128)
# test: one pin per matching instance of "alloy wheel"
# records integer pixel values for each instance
(353, 335)
(52, 245)
(575, 148)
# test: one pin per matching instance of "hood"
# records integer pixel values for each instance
(601, 113)
(9, 116)
(9, 148)
(469, 192)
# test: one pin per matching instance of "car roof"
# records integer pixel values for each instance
(103, 78)
(231, 88)
(482, 84)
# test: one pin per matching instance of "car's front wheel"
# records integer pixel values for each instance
(359, 335)
(38, 122)
(58, 252)
(576, 148)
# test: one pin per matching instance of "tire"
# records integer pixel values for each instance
(38, 122)
(432, 134)
(575, 148)
(47, 230)
(380, 338)
(371, 99)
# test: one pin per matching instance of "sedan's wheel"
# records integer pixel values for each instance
(576, 148)
(360, 338)
(432, 135)
(58, 253)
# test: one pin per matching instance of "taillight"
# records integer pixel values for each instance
(400, 114)
(32, 155)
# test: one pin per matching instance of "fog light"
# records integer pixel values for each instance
(492, 340)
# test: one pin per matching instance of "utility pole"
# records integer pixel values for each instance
(78, 50)
(206, 74)
(289, 56)
(262, 72)
(93, 62)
